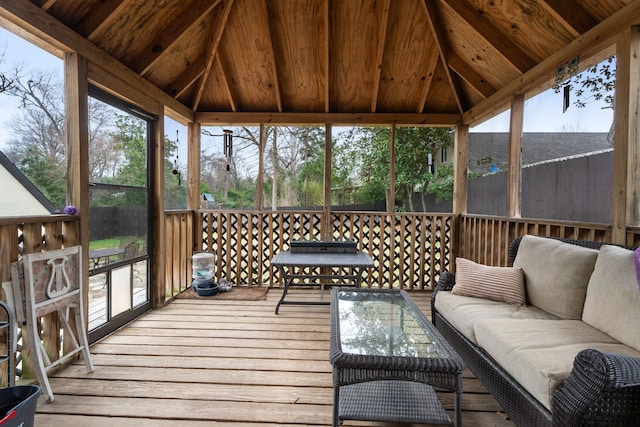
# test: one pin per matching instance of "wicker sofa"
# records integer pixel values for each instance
(569, 356)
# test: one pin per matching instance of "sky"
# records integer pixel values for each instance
(543, 113)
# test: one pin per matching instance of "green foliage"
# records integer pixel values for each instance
(46, 174)
(596, 83)
(442, 184)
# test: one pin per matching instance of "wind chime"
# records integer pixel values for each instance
(228, 146)
(176, 171)
(564, 73)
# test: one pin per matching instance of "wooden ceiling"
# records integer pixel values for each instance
(337, 56)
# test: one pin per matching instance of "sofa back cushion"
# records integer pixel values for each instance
(556, 274)
(612, 304)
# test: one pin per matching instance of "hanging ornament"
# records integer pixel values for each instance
(564, 73)
(176, 171)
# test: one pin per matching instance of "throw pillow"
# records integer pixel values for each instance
(503, 284)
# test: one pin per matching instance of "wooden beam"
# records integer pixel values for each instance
(436, 30)
(508, 49)
(212, 50)
(183, 24)
(259, 200)
(573, 16)
(186, 79)
(360, 119)
(76, 96)
(101, 17)
(327, 41)
(592, 42)
(626, 146)
(276, 80)
(326, 228)
(515, 156)
(460, 170)
(226, 87)
(382, 30)
(193, 166)
(123, 89)
(39, 24)
(470, 75)
(391, 198)
(158, 228)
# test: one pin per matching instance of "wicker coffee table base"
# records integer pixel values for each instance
(395, 401)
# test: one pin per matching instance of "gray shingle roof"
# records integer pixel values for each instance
(536, 147)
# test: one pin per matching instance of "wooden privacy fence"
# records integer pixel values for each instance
(409, 250)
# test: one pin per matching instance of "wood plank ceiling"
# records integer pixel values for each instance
(331, 56)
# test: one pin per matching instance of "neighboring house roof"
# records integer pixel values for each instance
(20, 196)
(536, 147)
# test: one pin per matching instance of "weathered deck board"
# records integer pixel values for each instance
(221, 363)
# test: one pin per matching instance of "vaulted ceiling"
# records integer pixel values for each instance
(334, 56)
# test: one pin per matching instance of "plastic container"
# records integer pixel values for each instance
(18, 405)
(203, 266)
(205, 287)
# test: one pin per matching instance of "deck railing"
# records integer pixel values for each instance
(409, 250)
(19, 236)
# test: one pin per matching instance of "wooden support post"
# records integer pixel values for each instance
(460, 170)
(391, 196)
(193, 170)
(76, 96)
(158, 228)
(259, 198)
(326, 229)
(515, 155)
(626, 146)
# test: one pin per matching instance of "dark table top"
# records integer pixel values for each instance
(322, 259)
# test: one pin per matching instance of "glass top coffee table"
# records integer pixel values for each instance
(386, 357)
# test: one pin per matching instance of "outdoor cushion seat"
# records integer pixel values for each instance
(463, 312)
(539, 354)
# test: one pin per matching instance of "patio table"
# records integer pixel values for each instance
(104, 254)
(345, 267)
(387, 357)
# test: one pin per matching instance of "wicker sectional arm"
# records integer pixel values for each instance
(602, 387)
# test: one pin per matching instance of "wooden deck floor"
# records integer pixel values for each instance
(220, 363)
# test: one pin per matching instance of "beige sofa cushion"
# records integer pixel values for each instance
(613, 298)
(462, 311)
(539, 354)
(556, 274)
(504, 284)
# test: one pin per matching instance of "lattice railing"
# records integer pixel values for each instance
(409, 250)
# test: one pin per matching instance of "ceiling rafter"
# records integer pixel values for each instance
(187, 20)
(430, 73)
(225, 85)
(327, 41)
(471, 76)
(276, 80)
(179, 86)
(382, 30)
(508, 49)
(571, 14)
(212, 50)
(100, 18)
(436, 30)
(48, 4)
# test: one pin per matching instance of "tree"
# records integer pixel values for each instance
(414, 150)
(596, 83)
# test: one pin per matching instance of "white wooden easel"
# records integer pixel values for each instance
(44, 283)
